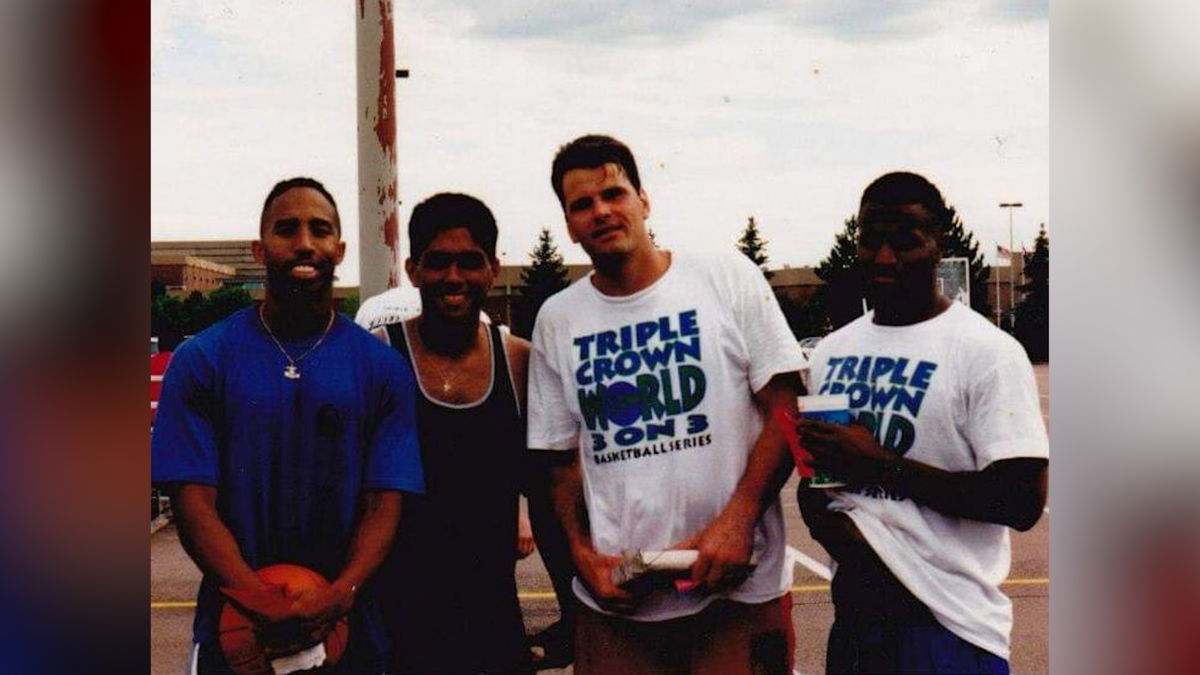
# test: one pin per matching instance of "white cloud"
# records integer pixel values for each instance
(745, 114)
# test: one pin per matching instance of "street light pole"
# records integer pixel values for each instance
(1011, 282)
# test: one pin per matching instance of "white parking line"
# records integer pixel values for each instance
(813, 565)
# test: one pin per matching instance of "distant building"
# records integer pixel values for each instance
(797, 284)
(234, 253)
(182, 274)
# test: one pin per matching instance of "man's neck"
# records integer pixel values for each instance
(628, 274)
(912, 313)
(297, 317)
(451, 338)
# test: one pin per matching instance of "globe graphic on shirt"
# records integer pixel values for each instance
(622, 403)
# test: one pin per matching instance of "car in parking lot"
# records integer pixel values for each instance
(807, 345)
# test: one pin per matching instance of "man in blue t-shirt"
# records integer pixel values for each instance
(286, 434)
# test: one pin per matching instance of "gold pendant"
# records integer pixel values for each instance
(291, 373)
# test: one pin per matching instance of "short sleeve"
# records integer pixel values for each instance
(183, 442)
(770, 345)
(1005, 415)
(551, 424)
(393, 451)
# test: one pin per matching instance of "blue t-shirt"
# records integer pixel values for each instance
(289, 457)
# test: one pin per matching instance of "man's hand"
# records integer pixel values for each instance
(525, 542)
(724, 548)
(848, 452)
(280, 629)
(319, 608)
(596, 572)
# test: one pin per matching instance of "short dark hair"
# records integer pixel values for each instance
(900, 188)
(590, 152)
(297, 182)
(446, 211)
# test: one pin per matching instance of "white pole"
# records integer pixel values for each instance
(997, 289)
(1011, 281)
(378, 234)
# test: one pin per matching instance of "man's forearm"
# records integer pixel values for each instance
(207, 540)
(567, 494)
(372, 537)
(770, 462)
(1009, 492)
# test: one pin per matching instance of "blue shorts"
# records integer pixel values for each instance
(879, 627)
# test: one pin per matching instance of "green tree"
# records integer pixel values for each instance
(350, 305)
(168, 321)
(754, 247)
(1033, 312)
(222, 302)
(195, 313)
(173, 318)
(545, 276)
(841, 298)
(806, 319)
(839, 301)
(959, 242)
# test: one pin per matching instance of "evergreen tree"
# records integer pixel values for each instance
(839, 301)
(841, 298)
(754, 247)
(545, 276)
(959, 242)
(1033, 313)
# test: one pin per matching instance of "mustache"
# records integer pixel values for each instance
(443, 288)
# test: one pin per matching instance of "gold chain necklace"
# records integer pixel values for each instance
(292, 372)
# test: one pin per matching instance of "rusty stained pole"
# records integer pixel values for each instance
(378, 235)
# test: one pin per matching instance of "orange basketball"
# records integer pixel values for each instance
(239, 637)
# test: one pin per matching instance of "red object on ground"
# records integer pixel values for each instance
(240, 637)
(158, 366)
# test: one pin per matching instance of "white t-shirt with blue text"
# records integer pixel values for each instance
(656, 389)
(956, 393)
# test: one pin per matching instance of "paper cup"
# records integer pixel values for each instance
(832, 408)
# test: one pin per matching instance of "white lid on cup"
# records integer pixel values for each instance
(823, 403)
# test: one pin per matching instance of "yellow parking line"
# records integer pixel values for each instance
(549, 595)
(173, 604)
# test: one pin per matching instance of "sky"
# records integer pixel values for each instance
(776, 109)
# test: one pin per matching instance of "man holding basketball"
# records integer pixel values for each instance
(285, 434)
(948, 450)
(653, 379)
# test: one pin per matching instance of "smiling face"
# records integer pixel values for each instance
(300, 242)
(454, 274)
(605, 214)
(898, 254)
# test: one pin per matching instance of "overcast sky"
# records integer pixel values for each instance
(777, 109)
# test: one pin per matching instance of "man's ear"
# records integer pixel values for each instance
(410, 268)
(341, 253)
(645, 202)
(256, 248)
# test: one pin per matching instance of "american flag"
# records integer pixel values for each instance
(1003, 255)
